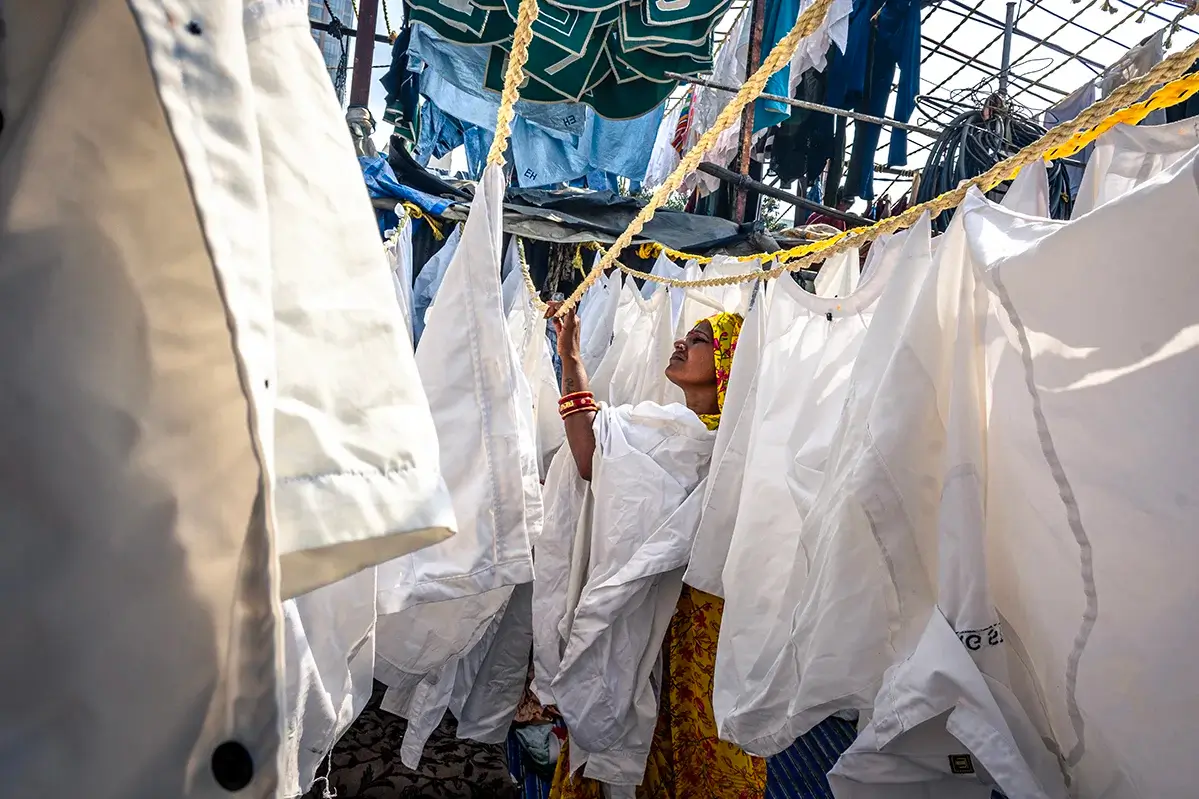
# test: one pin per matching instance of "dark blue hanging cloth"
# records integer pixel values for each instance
(884, 35)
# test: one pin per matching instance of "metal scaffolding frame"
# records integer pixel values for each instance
(1056, 46)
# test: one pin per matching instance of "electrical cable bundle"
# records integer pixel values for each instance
(973, 143)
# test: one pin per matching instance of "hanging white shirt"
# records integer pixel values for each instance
(511, 276)
(527, 329)
(329, 637)
(439, 604)
(1091, 423)
(842, 611)
(701, 302)
(567, 500)
(639, 374)
(736, 437)
(722, 493)
(811, 345)
(210, 396)
(597, 318)
(628, 310)
(1127, 156)
(945, 723)
(482, 408)
(665, 267)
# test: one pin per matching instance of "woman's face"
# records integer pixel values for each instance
(692, 363)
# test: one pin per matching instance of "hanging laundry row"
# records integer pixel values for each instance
(918, 493)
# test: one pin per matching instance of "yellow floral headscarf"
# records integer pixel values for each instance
(726, 329)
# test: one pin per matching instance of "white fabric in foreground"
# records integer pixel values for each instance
(941, 729)
(1091, 428)
(179, 471)
(357, 473)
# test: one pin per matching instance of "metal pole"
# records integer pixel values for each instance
(325, 26)
(746, 182)
(824, 109)
(364, 52)
(757, 21)
(1005, 67)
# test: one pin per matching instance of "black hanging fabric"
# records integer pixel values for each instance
(832, 183)
(425, 244)
(803, 143)
(403, 91)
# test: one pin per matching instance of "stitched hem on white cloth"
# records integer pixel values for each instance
(357, 520)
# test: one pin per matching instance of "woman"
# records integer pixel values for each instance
(687, 759)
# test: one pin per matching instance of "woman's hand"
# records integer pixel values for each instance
(567, 328)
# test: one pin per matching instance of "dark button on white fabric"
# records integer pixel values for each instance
(232, 766)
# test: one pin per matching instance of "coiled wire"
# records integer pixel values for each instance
(975, 141)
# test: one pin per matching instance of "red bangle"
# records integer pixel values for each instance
(574, 396)
(582, 402)
(580, 409)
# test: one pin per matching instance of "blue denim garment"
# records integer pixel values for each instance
(441, 134)
(623, 146)
(551, 143)
(851, 85)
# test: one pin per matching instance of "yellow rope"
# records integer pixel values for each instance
(514, 76)
(534, 295)
(780, 56)
(414, 211)
(1062, 141)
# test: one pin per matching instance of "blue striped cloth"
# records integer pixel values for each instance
(799, 772)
